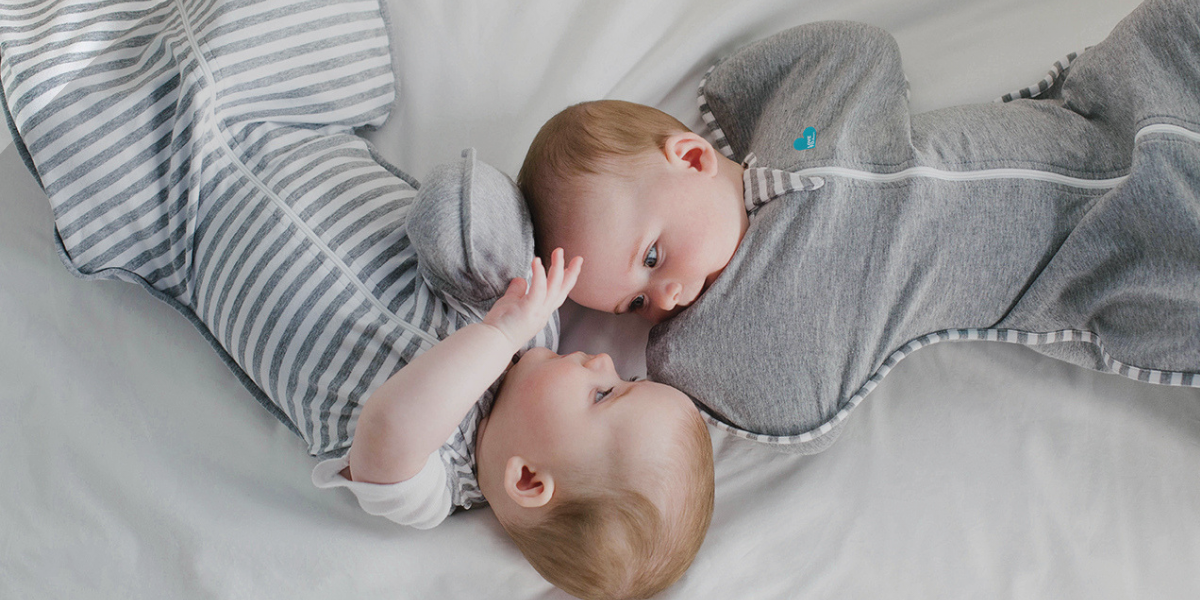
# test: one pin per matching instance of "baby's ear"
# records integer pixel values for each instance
(527, 485)
(690, 151)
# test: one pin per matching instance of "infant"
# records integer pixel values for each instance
(350, 304)
(606, 485)
(827, 233)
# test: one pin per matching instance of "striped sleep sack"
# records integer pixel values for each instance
(205, 149)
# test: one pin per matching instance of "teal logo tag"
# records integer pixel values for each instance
(808, 141)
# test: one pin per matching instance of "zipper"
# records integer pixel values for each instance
(988, 174)
(1168, 129)
(981, 175)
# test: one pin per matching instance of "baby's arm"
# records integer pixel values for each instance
(413, 413)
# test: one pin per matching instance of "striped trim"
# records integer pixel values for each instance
(716, 135)
(1056, 73)
(763, 184)
(1011, 336)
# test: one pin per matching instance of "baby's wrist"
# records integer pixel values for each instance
(511, 341)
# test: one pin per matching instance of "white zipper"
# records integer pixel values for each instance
(985, 174)
(1169, 129)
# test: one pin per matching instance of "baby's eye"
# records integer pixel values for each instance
(637, 303)
(602, 394)
(651, 256)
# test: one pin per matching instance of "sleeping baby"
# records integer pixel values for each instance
(207, 151)
(827, 233)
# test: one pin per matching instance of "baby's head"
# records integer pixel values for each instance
(605, 485)
(653, 208)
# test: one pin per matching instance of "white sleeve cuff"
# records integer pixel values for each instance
(422, 501)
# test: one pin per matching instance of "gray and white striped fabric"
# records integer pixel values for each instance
(763, 184)
(205, 149)
(1055, 76)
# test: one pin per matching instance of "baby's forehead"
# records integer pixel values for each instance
(661, 409)
(603, 203)
(592, 225)
(660, 446)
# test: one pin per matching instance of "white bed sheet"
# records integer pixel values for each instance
(133, 465)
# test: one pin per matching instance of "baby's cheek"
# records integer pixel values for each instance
(567, 439)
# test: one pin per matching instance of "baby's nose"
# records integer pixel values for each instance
(668, 298)
(599, 362)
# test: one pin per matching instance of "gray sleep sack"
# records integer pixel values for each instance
(1069, 223)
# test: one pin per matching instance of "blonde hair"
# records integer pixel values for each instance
(590, 138)
(612, 542)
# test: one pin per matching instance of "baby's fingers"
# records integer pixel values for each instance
(555, 275)
(561, 280)
(516, 288)
(537, 283)
(571, 275)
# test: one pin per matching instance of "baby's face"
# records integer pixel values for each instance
(575, 410)
(652, 244)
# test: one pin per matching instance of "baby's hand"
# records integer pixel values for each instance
(521, 312)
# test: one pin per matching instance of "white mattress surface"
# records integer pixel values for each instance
(133, 464)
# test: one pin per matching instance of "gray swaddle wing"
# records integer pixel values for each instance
(1070, 223)
(471, 231)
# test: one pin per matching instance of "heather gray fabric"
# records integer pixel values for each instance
(471, 230)
(1070, 223)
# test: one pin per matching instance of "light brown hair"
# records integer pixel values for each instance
(589, 138)
(614, 542)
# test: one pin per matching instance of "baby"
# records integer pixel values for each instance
(827, 233)
(655, 208)
(371, 318)
(605, 485)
